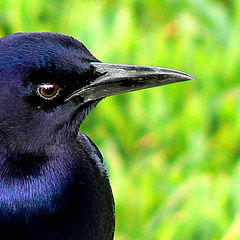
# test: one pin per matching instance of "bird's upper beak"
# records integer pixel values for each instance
(119, 78)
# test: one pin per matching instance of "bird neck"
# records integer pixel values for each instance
(61, 183)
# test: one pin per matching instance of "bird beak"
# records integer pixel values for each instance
(119, 78)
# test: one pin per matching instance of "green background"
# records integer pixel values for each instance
(173, 152)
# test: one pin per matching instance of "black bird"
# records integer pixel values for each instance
(53, 181)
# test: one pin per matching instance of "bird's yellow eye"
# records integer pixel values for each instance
(48, 90)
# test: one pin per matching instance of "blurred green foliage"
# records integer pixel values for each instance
(173, 151)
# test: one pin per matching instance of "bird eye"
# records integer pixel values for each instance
(48, 90)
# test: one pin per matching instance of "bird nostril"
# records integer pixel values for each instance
(78, 99)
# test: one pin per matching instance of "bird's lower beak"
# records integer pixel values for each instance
(119, 78)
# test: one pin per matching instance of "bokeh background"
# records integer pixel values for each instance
(173, 152)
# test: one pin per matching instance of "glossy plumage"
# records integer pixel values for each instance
(53, 181)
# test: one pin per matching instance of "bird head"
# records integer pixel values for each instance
(50, 82)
